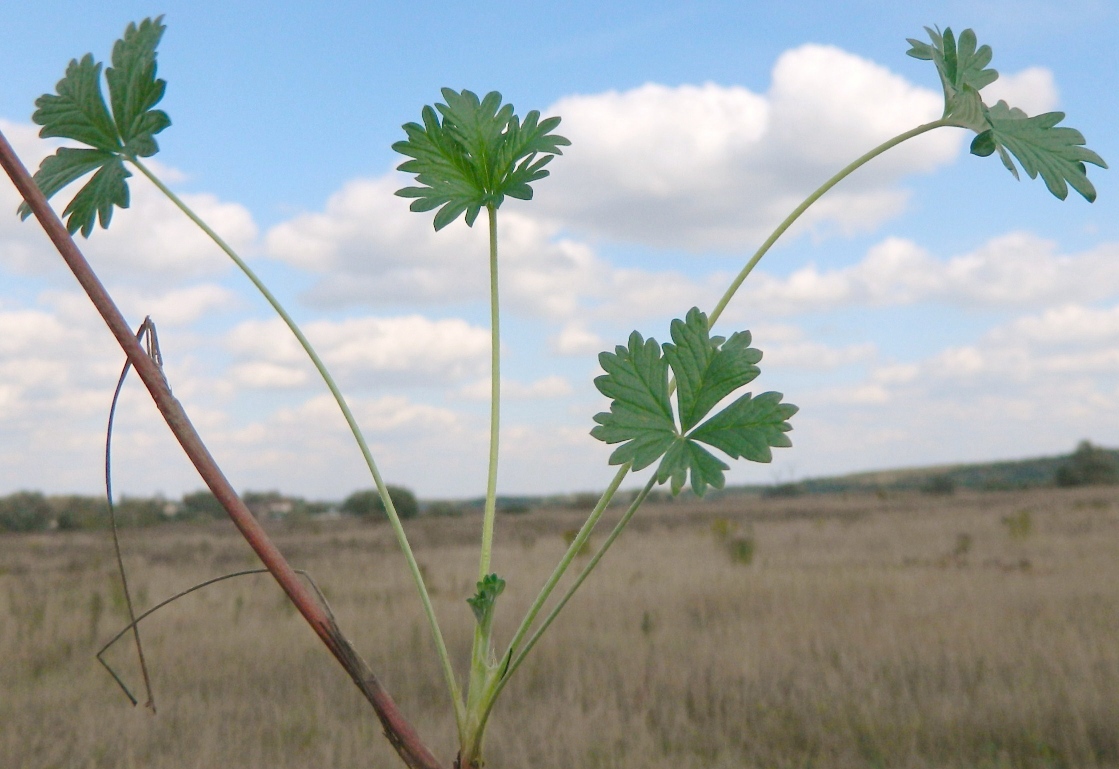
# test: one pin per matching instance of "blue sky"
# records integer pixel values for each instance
(933, 310)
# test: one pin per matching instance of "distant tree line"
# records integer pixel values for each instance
(27, 511)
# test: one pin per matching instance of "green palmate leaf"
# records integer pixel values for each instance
(963, 72)
(641, 414)
(749, 427)
(686, 456)
(475, 156)
(1055, 152)
(134, 88)
(96, 199)
(707, 370)
(77, 111)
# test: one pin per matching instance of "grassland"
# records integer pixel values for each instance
(978, 630)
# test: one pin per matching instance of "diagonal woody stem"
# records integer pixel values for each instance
(399, 731)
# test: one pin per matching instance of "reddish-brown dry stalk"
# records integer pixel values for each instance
(399, 732)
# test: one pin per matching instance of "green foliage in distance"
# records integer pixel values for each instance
(369, 503)
(1088, 465)
(479, 153)
(1042, 147)
(707, 369)
(77, 111)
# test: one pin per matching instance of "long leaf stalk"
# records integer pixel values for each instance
(320, 366)
(400, 733)
(495, 402)
(796, 213)
(483, 675)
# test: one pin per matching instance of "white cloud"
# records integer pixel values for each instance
(362, 352)
(176, 307)
(785, 347)
(151, 243)
(1033, 90)
(692, 167)
(1014, 270)
(575, 339)
(370, 250)
(512, 389)
(715, 167)
(1064, 326)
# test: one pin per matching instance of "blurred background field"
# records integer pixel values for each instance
(934, 628)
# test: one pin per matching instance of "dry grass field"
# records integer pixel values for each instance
(973, 630)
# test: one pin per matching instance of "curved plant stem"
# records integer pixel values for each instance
(390, 509)
(807, 203)
(495, 402)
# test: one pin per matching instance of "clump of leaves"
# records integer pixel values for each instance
(78, 111)
(479, 153)
(1042, 147)
(483, 601)
(707, 370)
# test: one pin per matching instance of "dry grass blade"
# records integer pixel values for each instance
(135, 621)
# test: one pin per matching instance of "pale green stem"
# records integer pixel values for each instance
(495, 401)
(390, 509)
(568, 557)
(823, 188)
(481, 650)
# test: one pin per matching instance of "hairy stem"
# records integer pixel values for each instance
(495, 402)
(481, 675)
(807, 203)
(400, 733)
(382, 489)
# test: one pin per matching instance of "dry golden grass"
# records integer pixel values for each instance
(902, 632)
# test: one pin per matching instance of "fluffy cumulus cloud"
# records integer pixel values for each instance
(512, 389)
(1036, 384)
(151, 243)
(370, 250)
(1032, 90)
(362, 352)
(694, 167)
(715, 167)
(1014, 270)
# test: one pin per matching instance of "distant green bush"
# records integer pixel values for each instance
(25, 511)
(199, 504)
(939, 485)
(368, 503)
(1089, 465)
